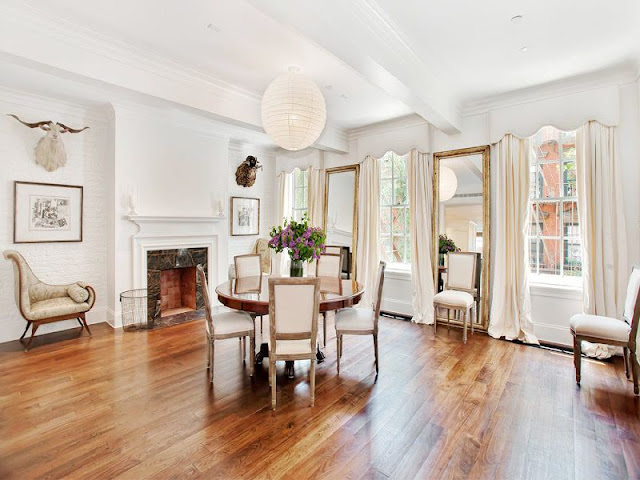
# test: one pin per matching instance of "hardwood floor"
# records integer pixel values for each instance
(139, 405)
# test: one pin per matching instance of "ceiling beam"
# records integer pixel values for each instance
(360, 34)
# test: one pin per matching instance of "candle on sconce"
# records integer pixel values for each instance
(220, 205)
(133, 201)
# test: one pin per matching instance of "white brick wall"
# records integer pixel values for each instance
(264, 189)
(53, 262)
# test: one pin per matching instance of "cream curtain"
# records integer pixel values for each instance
(368, 255)
(510, 315)
(420, 174)
(285, 204)
(315, 196)
(602, 230)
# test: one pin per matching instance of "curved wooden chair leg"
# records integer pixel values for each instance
(25, 330)
(84, 320)
(33, 333)
(577, 357)
(625, 355)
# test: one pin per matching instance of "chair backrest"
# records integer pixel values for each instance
(461, 271)
(378, 292)
(632, 304)
(329, 265)
(205, 294)
(294, 307)
(333, 250)
(248, 265)
(262, 248)
(23, 278)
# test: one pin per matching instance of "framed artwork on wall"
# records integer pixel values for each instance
(245, 216)
(46, 212)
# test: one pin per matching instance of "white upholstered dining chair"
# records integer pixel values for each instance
(460, 292)
(249, 265)
(612, 331)
(329, 265)
(294, 305)
(223, 324)
(361, 321)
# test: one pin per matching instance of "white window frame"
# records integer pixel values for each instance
(404, 266)
(297, 211)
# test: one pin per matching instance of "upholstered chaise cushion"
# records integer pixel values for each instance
(600, 327)
(453, 298)
(354, 319)
(78, 294)
(55, 307)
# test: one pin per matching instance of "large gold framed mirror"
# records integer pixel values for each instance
(462, 217)
(341, 213)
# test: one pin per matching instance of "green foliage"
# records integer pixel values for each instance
(446, 245)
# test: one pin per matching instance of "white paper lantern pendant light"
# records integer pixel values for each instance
(448, 184)
(294, 112)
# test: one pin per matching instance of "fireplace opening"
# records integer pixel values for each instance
(177, 291)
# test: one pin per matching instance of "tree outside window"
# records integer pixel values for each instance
(394, 209)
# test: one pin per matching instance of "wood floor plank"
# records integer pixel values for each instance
(139, 406)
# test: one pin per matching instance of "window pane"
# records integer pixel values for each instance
(385, 245)
(407, 220)
(406, 250)
(397, 220)
(385, 167)
(385, 192)
(397, 246)
(551, 257)
(536, 254)
(385, 221)
(549, 180)
(572, 257)
(400, 191)
(399, 166)
(547, 218)
(569, 179)
(299, 198)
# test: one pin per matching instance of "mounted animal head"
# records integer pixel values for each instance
(50, 152)
(246, 172)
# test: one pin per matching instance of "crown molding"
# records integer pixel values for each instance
(612, 77)
(387, 126)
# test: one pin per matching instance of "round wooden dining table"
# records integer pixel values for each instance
(251, 294)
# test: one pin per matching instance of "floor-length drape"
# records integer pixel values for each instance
(510, 315)
(420, 174)
(285, 204)
(602, 227)
(315, 200)
(368, 253)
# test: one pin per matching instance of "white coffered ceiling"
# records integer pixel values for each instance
(374, 60)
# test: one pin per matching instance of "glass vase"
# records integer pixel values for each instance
(296, 269)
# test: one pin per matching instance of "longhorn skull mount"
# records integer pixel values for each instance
(50, 152)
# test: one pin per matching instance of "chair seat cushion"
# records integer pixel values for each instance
(225, 323)
(55, 307)
(353, 319)
(596, 326)
(453, 298)
(293, 347)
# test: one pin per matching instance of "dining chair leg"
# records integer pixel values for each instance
(208, 354)
(375, 349)
(272, 374)
(635, 367)
(448, 318)
(244, 349)
(625, 355)
(211, 359)
(324, 329)
(252, 354)
(473, 316)
(577, 357)
(341, 343)
(338, 350)
(312, 381)
(261, 324)
(465, 315)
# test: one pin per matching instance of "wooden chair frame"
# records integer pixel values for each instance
(235, 265)
(324, 315)
(629, 347)
(312, 336)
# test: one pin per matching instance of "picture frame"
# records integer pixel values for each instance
(245, 216)
(47, 212)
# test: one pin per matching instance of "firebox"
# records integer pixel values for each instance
(177, 291)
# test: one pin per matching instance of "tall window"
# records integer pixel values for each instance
(394, 209)
(300, 197)
(554, 231)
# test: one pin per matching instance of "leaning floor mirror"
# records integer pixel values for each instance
(341, 214)
(462, 218)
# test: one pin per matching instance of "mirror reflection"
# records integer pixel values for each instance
(340, 212)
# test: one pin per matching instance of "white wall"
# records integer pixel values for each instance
(53, 262)
(264, 189)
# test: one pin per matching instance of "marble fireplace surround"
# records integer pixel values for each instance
(178, 233)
